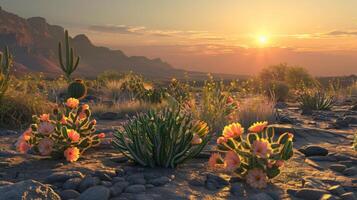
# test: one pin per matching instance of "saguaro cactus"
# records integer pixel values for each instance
(71, 63)
(6, 62)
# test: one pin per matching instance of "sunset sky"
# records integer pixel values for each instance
(228, 36)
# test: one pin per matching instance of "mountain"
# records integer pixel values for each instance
(34, 44)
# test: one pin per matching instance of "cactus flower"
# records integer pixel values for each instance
(72, 103)
(256, 178)
(45, 117)
(262, 148)
(233, 130)
(85, 107)
(222, 140)
(45, 146)
(71, 154)
(27, 134)
(63, 121)
(73, 135)
(214, 161)
(46, 128)
(196, 139)
(22, 146)
(82, 116)
(279, 163)
(258, 127)
(101, 135)
(231, 161)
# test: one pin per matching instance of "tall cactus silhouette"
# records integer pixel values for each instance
(6, 62)
(71, 63)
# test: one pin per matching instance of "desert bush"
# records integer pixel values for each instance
(258, 108)
(68, 132)
(163, 138)
(315, 100)
(255, 157)
(278, 91)
(6, 62)
(179, 91)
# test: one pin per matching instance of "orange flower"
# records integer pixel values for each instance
(45, 146)
(73, 135)
(256, 178)
(196, 139)
(258, 127)
(22, 146)
(221, 140)
(94, 122)
(214, 161)
(71, 154)
(261, 148)
(231, 160)
(82, 115)
(45, 117)
(72, 103)
(27, 134)
(85, 107)
(101, 135)
(233, 130)
(63, 120)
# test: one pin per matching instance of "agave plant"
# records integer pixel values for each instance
(162, 138)
(315, 100)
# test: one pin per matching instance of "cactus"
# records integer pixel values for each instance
(77, 89)
(256, 154)
(71, 63)
(68, 132)
(6, 62)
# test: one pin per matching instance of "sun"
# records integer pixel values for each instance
(262, 39)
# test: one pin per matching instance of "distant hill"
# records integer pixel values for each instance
(34, 44)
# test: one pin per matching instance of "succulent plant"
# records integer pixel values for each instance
(6, 62)
(255, 154)
(71, 63)
(68, 132)
(315, 100)
(77, 89)
(162, 138)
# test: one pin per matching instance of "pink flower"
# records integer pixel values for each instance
(221, 140)
(71, 154)
(233, 130)
(22, 146)
(73, 135)
(214, 161)
(279, 163)
(261, 148)
(46, 128)
(196, 139)
(101, 135)
(45, 146)
(63, 120)
(45, 117)
(27, 134)
(231, 161)
(72, 103)
(256, 178)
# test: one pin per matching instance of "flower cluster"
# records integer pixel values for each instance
(65, 133)
(254, 157)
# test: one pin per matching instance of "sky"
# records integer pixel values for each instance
(228, 36)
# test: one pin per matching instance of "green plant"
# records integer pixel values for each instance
(163, 138)
(255, 157)
(77, 89)
(68, 132)
(6, 62)
(278, 91)
(315, 100)
(179, 91)
(71, 63)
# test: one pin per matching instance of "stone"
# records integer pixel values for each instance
(29, 189)
(214, 182)
(261, 196)
(341, 124)
(63, 176)
(88, 182)
(354, 108)
(306, 111)
(337, 190)
(310, 194)
(69, 194)
(163, 180)
(348, 163)
(3, 183)
(94, 193)
(350, 171)
(337, 167)
(135, 189)
(348, 196)
(237, 189)
(143, 197)
(329, 197)
(118, 188)
(314, 151)
(106, 183)
(322, 158)
(341, 157)
(105, 175)
(118, 179)
(72, 183)
(351, 119)
(108, 116)
(136, 179)
(198, 182)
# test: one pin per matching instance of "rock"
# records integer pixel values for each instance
(69, 194)
(108, 116)
(119, 159)
(350, 171)
(306, 111)
(329, 197)
(160, 181)
(135, 189)
(310, 194)
(29, 189)
(348, 163)
(261, 196)
(350, 119)
(88, 182)
(214, 182)
(322, 158)
(72, 183)
(143, 197)
(94, 193)
(198, 182)
(136, 179)
(118, 179)
(4, 183)
(348, 196)
(354, 108)
(341, 157)
(281, 105)
(338, 167)
(237, 189)
(337, 190)
(314, 151)
(286, 120)
(341, 124)
(106, 183)
(63, 176)
(118, 188)
(105, 175)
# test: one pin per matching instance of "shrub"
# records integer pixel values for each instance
(162, 138)
(179, 91)
(278, 91)
(255, 109)
(255, 157)
(315, 100)
(68, 132)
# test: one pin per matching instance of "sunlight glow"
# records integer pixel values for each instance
(262, 39)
